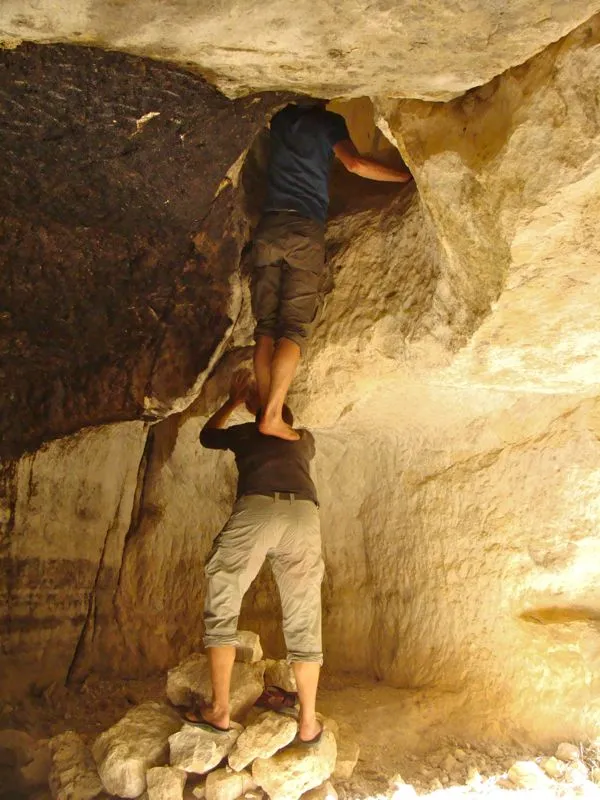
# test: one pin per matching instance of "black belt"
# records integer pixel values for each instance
(285, 496)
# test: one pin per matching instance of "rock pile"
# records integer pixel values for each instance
(152, 753)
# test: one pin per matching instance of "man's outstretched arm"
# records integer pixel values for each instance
(212, 434)
(367, 167)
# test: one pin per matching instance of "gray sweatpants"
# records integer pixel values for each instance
(287, 532)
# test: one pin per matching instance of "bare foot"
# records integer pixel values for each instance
(218, 719)
(309, 730)
(277, 427)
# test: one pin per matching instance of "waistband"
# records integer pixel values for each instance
(289, 496)
(296, 213)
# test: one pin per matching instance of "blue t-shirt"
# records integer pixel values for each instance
(302, 141)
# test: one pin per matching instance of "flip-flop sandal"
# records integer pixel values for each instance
(203, 724)
(276, 699)
(298, 742)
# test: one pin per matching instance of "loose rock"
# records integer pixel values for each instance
(527, 775)
(281, 674)
(295, 770)
(326, 791)
(554, 768)
(165, 783)
(73, 773)
(595, 775)
(567, 752)
(197, 750)
(189, 684)
(347, 754)
(225, 784)
(137, 742)
(248, 650)
(24, 762)
(262, 739)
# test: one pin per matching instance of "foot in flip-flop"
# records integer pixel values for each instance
(298, 742)
(198, 721)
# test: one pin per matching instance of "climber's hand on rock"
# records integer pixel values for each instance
(240, 386)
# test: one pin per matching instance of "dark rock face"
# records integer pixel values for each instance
(115, 250)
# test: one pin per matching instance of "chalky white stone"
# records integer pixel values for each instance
(73, 773)
(125, 752)
(281, 674)
(326, 791)
(165, 783)
(225, 784)
(262, 739)
(248, 649)
(567, 752)
(348, 751)
(295, 770)
(198, 750)
(528, 775)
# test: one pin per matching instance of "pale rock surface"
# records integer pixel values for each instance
(133, 745)
(326, 791)
(189, 683)
(595, 775)
(197, 750)
(528, 775)
(280, 673)
(348, 751)
(576, 773)
(225, 784)
(567, 752)
(431, 50)
(295, 770)
(84, 483)
(553, 767)
(262, 739)
(248, 649)
(199, 791)
(73, 775)
(165, 783)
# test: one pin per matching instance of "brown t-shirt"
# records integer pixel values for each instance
(266, 464)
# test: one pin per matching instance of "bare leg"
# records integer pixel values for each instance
(307, 680)
(283, 369)
(220, 661)
(263, 356)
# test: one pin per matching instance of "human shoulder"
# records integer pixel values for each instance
(335, 126)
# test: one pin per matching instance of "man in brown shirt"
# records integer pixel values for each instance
(276, 517)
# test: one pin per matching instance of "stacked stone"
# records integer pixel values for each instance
(151, 754)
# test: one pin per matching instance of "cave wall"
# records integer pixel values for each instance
(119, 233)
(433, 50)
(453, 390)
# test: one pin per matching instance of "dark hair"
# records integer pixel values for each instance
(286, 413)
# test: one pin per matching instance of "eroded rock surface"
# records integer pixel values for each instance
(74, 773)
(165, 783)
(433, 50)
(118, 236)
(295, 770)
(262, 739)
(198, 750)
(139, 741)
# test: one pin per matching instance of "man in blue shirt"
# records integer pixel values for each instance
(289, 244)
